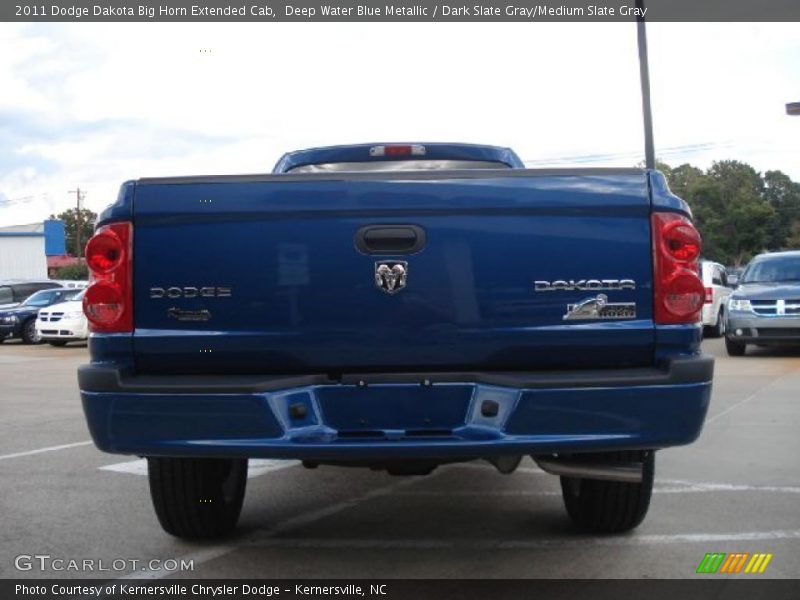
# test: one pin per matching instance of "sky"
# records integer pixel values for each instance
(90, 105)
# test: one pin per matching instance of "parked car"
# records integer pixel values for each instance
(765, 307)
(20, 321)
(396, 307)
(73, 283)
(717, 290)
(14, 291)
(61, 323)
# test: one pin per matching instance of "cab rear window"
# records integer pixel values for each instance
(398, 165)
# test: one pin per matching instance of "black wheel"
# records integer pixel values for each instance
(197, 498)
(718, 330)
(29, 333)
(735, 348)
(610, 506)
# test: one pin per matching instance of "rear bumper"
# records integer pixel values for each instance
(394, 416)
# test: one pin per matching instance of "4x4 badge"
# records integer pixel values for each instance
(391, 275)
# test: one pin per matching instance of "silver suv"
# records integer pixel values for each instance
(765, 307)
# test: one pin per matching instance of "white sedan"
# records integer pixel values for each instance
(62, 323)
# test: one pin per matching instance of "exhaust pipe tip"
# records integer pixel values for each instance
(573, 467)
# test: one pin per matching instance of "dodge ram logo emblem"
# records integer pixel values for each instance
(390, 276)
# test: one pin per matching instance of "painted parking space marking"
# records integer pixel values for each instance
(131, 467)
(531, 544)
(11, 359)
(682, 486)
(262, 466)
(256, 467)
(688, 489)
(733, 407)
(260, 535)
(47, 449)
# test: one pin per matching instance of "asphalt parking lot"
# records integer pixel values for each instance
(736, 490)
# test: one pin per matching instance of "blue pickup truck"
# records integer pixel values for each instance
(396, 307)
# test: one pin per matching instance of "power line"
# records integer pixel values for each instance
(673, 151)
(21, 200)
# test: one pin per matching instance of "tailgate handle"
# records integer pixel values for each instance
(390, 239)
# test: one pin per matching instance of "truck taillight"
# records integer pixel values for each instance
(108, 301)
(709, 295)
(678, 291)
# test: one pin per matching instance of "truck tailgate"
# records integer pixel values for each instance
(263, 274)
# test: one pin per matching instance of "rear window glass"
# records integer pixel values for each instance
(399, 165)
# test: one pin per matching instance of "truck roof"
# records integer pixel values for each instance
(366, 152)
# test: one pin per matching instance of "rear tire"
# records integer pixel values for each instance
(29, 334)
(718, 330)
(610, 506)
(735, 348)
(197, 498)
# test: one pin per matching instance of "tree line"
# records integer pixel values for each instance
(739, 211)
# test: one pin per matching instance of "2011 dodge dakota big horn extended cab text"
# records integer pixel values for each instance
(396, 307)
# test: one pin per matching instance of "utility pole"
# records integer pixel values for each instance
(79, 197)
(644, 77)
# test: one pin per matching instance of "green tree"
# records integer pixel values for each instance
(71, 218)
(745, 215)
(735, 226)
(793, 241)
(783, 194)
(78, 272)
(736, 178)
(682, 178)
(729, 207)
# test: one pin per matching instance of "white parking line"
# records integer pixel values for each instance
(733, 407)
(11, 359)
(531, 544)
(486, 466)
(258, 467)
(264, 538)
(693, 486)
(41, 450)
(131, 467)
(255, 467)
(260, 535)
(689, 489)
(478, 493)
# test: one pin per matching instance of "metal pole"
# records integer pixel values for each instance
(79, 197)
(644, 76)
(78, 228)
